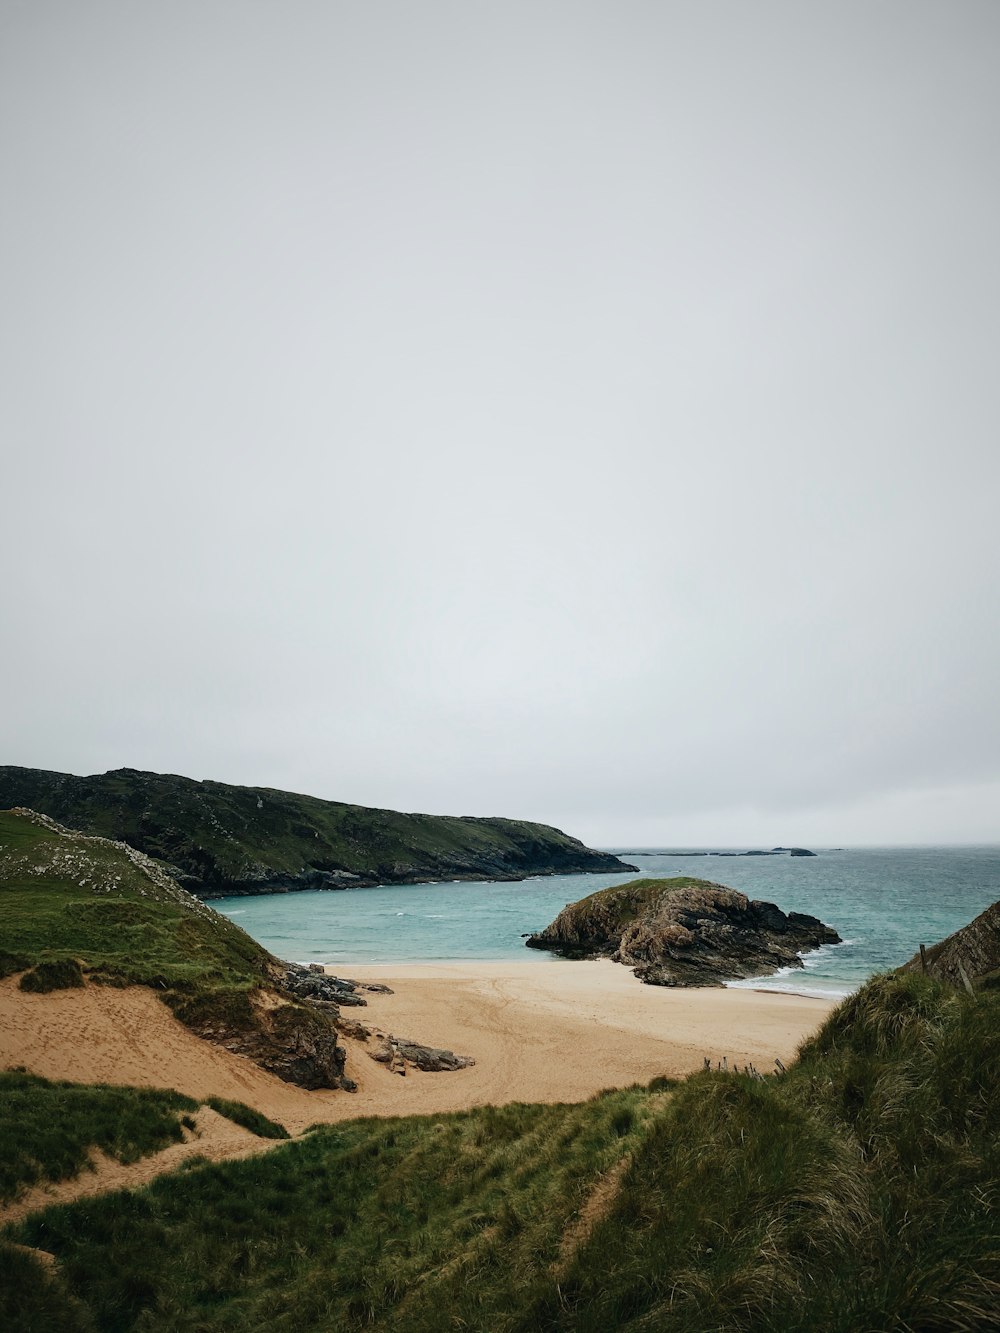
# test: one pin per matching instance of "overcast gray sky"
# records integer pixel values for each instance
(583, 412)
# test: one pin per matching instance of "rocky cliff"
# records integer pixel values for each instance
(974, 950)
(683, 932)
(219, 839)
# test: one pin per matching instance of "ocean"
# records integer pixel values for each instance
(884, 901)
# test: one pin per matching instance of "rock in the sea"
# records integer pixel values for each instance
(974, 950)
(683, 932)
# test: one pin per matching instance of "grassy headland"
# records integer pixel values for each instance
(64, 897)
(222, 839)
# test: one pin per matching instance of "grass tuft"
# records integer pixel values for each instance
(248, 1118)
(48, 1129)
(62, 975)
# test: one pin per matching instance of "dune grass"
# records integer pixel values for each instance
(384, 1223)
(860, 1191)
(248, 1118)
(48, 1129)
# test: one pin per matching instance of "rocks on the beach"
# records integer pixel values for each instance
(683, 932)
(350, 1027)
(312, 985)
(398, 1052)
(297, 1042)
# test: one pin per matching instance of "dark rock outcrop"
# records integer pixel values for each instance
(974, 950)
(683, 932)
(398, 1052)
(289, 1039)
(217, 839)
(310, 985)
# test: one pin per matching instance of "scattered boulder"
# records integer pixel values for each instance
(312, 985)
(398, 1052)
(683, 932)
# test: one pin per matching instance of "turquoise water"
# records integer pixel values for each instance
(884, 902)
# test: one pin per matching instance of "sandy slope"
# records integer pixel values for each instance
(539, 1031)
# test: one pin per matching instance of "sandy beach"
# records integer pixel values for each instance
(538, 1031)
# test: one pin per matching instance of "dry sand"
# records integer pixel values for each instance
(538, 1030)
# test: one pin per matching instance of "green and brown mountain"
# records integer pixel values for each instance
(220, 839)
(77, 910)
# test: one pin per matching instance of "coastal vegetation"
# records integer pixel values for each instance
(860, 1189)
(48, 1129)
(68, 900)
(221, 839)
(74, 907)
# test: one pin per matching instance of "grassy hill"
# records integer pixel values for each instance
(65, 897)
(222, 839)
(76, 908)
(859, 1191)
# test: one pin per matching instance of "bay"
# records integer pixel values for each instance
(883, 901)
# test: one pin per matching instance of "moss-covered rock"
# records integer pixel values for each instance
(683, 932)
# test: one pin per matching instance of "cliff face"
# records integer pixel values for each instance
(975, 949)
(220, 839)
(683, 932)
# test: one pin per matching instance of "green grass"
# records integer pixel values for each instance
(366, 1222)
(248, 1118)
(65, 899)
(62, 975)
(47, 1129)
(34, 1300)
(861, 1191)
